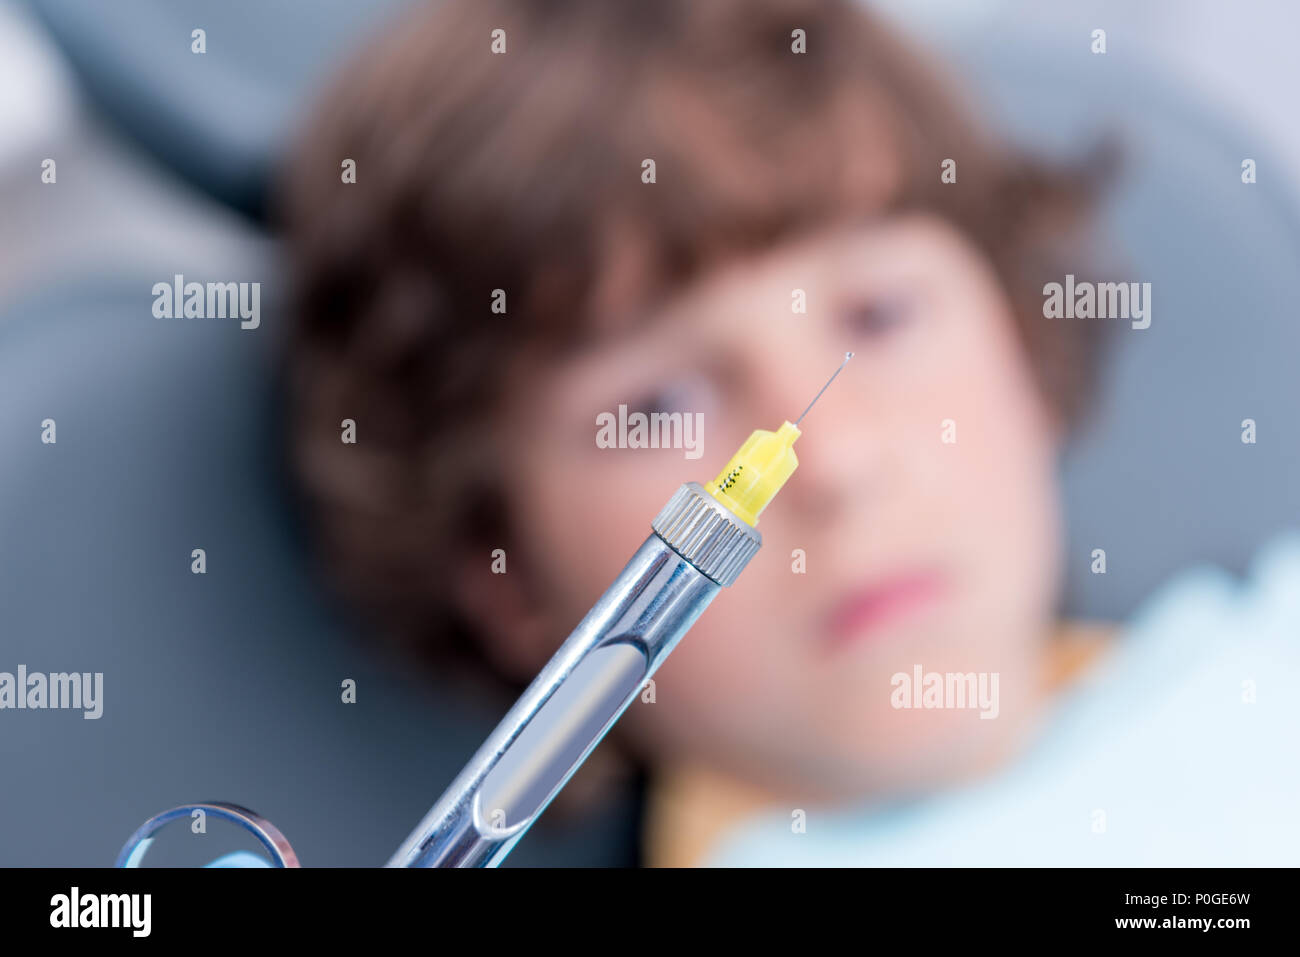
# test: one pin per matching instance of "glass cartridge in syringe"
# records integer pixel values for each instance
(699, 542)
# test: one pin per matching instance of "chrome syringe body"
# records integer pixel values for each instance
(696, 546)
(699, 542)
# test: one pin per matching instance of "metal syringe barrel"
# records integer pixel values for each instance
(697, 546)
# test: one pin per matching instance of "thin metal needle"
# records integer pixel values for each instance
(847, 357)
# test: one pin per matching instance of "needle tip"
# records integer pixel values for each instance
(847, 357)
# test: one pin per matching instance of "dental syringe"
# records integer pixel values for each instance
(700, 542)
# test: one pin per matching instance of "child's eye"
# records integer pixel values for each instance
(877, 317)
(688, 395)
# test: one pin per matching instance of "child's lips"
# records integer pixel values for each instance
(867, 610)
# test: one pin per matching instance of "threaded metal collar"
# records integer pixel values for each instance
(706, 534)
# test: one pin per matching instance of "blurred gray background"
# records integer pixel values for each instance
(226, 685)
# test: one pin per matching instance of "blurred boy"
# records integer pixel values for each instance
(508, 266)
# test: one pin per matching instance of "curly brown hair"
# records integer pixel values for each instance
(479, 170)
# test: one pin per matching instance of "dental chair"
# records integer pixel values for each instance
(227, 685)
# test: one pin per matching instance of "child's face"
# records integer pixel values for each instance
(918, 551)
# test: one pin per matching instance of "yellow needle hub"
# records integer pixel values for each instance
(756, 473)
